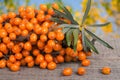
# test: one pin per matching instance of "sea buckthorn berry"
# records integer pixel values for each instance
(31, 64)
(2, 64)
(62, 52)
(10, 45)
(9, 63)
(81, 56)
(55, 5)
(88, 53)
(37, 29)
(51, 66)
(29, 9)
(36, 52)
(68, 58)
(18, 56)
(40, 44)
(16, 49)
(50, 11)
(3, 33)
(39, 59)
(1, 19)
(51, 43)
(43, 7)
(68, 50)
(28, 59)
(48, 58)
(28, 46)
(17, 21)
(60, 59)
(21, 9)
(30, 15)
(4, 16)
(1, 54)
(22, 26)
(79, 47)
(12, 36)
(57, 47)
(46, 24)
(67, 72)
(59, 36)
(33, 37)
(40, 17)
(12, 58)
(22, 62)
(24, 32)
(6, 40)
(14, 67)
(43, 38)
(11, 15)
(41, 12)
(85, 62)
(17, 63)
(47, 18)
(48, 49)
(8, 27)
(106, 70)
(43, 65)
(17, 31)
(44, 30)
(81, 71)
(34, 21)
(3, 47)
(51, 35)
(25, 53)
(29, 26)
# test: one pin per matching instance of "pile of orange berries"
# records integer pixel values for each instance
(28, 39)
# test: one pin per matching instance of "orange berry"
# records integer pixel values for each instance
(62, 52)
(33, 37)
(57, 47)
(4, 16)
(6, 40)
(2, 64)
(51, 65)
(43, 37)
(30, 64)
(8, 27)
(55, 5)
(36, 52)
(9, 63)
(11, 15)
(85, 62)
(34, 21)
(18, 63)
(39, 58)
(28, 59)
(43, 65)
(50, 11)
(59, 36)
(46, 24)
(68, 50)
(79, 47)
(24, 32)
(47, 18)
(51, 43)
(28, 46)
(48, 49)
(40, 17)
(29, 9)
(21, 9)
(37, 29)
(17, 21)
(81, 56)
(29, 26)
(68, 58)
(25, 53)
(3, 47)
(60, 59)
(40, 44)
(43, 7)
(51, 35)
(16, 49)
(3, 33)
(81, 71)
(10, 45)
(44, 30)
(12, 58)
(88, 53)
(22, 26)
(1, 54)
(48, 58)
(14, 67)
(1, 19)
(106, 70)
(22, 62)
(67, 72)
(18, 56)
(12, 36)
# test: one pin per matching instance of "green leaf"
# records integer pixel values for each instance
(68, 37)
(99, 25)
(86, 11)
(75, 35)
(98, 39)
(90, 45)
(68, 26)
(83, 40)
(65, 30)
(57, 20)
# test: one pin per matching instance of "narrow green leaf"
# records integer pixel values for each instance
(83, 40)
(68, 37)
(86, 11)
(98, 39)
(75, 35)
(90, 45)
(65, 30)
(99, 25)
(68, 26)
(57, 20)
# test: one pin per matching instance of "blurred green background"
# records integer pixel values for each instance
(101, 11)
